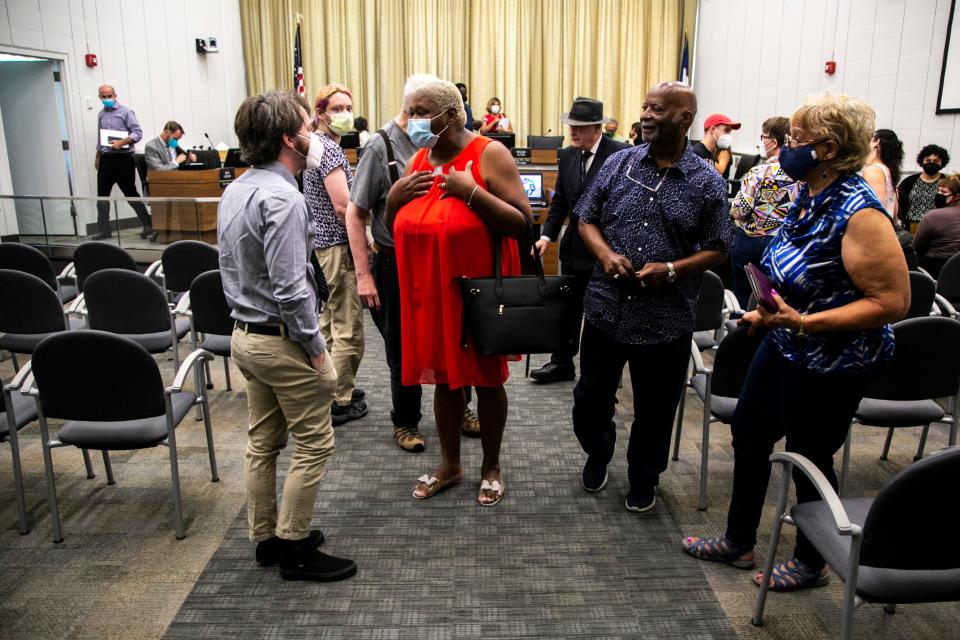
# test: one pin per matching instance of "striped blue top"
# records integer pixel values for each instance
(804, 263)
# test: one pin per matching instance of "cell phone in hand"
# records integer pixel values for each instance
(762, 287)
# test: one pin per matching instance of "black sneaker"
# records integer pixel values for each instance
(358, 394)
(353, 411)
(303, 562)
(268, 551)
(640, 501)
(594, 476)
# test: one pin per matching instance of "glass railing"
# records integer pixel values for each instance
(65, 221)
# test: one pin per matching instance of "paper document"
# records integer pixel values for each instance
(109, 135)
(503, 124)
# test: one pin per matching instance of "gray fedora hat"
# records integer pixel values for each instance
(585, 111)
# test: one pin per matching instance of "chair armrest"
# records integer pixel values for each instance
(183, 306)
(925, 272)
(21, 377)
(184, 370)
(944, 306)
(698, 366)
(78, 307)
(155, 269)
(69, 272)
(830, 497)
(730, 302)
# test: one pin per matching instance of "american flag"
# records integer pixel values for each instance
(298, 65)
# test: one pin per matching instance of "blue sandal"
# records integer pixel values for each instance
(793, 575)
(718, 550)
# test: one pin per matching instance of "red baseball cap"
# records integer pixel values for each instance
(718, 118)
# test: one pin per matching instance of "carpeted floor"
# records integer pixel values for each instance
(550, 561)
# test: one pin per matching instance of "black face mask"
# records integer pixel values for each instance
(931, 168)
(940, 200)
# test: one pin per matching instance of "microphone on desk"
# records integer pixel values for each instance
(207, 136)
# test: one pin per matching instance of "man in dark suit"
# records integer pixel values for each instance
(578, 165)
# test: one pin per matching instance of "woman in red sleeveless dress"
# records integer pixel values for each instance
(460, 192)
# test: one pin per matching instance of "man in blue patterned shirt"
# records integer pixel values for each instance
(655, 218)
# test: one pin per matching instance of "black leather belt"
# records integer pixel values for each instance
(383, 250)
(262, 329)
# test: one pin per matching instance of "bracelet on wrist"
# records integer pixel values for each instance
(470, 199)
(802, 330)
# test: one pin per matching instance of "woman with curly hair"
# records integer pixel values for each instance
(916, 193)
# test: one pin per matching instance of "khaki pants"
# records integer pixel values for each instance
(285, 395)
(342, 320)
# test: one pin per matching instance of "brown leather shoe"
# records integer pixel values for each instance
(409, 439)
(471, 424)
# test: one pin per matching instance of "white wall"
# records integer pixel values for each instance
(146, 51)
(760, 58)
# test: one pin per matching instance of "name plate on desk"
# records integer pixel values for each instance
(521, 156)
(227, 175)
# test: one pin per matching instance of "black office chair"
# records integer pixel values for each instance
(745, 163)
(924, 367)
(108, 391)
(29, 312)
(131, 304)
(141, 161)
(707, 330)
(23, 257)
(90, 257)
(923, 291)
(18, 411)
(210, 317)
(183, 261)
(889, 549)
(544, 142)
(719, 388)
(948, 285)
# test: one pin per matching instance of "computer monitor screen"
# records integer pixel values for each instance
(234, 159)
(532, 185)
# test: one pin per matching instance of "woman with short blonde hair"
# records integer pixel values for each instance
(840, 279)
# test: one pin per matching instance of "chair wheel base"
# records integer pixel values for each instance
(111, 483)
(675, 459)
(883, 457)
(217, 479)
(55, 541)
(701, 508)
(180, 537)
(916, 458)
(91, 476)
(757, 623)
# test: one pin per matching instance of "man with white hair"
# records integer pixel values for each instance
(381, 164)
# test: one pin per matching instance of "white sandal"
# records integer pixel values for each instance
(494, 487)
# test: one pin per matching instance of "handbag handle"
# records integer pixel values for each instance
(498, 262)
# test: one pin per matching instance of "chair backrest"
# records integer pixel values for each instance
(185, 260)
(732, 361)
(924, 364)
(709, 303)
(97, 376)
(22, 257)
(121, 301)
(544, 142)
(905, 526)
(923, 290)
(28, 304)
(948, 280)
(91, 257)
(746, 163)
(211, 313)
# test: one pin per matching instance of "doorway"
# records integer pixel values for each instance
(36, 150)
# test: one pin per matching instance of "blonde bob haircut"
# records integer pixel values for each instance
(446, 96)
(847, 122)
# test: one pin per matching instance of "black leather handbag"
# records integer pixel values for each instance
(515, 314)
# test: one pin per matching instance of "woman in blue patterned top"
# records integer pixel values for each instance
(327, 191)
(842, 279)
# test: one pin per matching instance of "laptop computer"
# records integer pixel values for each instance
(533, 187)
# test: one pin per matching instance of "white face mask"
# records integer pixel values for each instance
(495, 108)
(314, 153)
(724, 141)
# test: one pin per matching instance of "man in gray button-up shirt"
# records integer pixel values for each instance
(266, 240)
(114, 161)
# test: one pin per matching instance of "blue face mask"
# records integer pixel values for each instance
(420, 133)
(109, 104)
(172, 143)
(797, 162)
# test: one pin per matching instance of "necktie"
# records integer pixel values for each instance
(584, 156)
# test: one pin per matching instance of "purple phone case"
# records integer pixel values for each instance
(762, 287)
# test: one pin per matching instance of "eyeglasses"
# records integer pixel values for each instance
(646, 186)
(788, 141)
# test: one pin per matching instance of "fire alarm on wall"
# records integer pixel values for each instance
(831, 67)
(90, 59)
